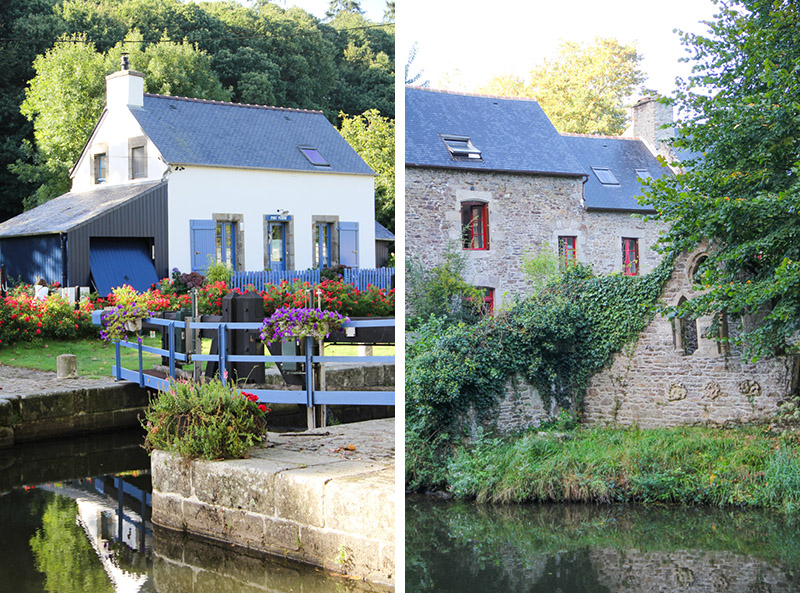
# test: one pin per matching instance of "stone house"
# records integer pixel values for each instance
(168, 182)
(492, 178)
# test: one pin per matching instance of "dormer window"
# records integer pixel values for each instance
(461, 147)
(100, 167)
(605, 176)
(314, 157)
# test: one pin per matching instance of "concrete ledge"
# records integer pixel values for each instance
(324, 498)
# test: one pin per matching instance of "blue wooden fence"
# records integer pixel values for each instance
(360, 278)
(310, 397)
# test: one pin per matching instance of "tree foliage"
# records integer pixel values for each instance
(584, 89)
(739, 140)
(372, 137)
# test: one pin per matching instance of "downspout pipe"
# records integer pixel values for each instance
(64, 262)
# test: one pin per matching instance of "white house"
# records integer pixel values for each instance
(169, 182)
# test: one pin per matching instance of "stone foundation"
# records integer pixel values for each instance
(332, 510)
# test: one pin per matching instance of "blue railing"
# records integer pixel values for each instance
(309, 397)
(360, 278)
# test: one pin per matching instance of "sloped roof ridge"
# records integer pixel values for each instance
(468, 94)
(248, 105)
(603, 136)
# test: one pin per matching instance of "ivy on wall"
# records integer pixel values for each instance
(556, 339)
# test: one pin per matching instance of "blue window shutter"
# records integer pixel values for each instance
(348, 244)
(202, 243)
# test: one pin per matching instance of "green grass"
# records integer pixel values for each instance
(95, 357)
(690, 465)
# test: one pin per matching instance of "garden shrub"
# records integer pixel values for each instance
(210, 420)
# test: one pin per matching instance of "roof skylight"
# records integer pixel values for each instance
(605, 176)
(644, 174)
(314, 157)
(461, 147)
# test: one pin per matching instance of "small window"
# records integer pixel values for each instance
(461, 148)
(100, 167)
(475, 225)
(568, 251)
(643, 174)
(630, 257)
(225, 243)
(314, 157)
(488, 301)
(138, 163)
(322, 244)
(605, 176)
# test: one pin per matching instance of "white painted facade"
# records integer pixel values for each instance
(202, 192)
(205, 193)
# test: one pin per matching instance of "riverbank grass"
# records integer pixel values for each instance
(690, 465)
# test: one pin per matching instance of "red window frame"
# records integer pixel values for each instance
(475, 226)
(568, 250)
(630, 256)
(488, 302)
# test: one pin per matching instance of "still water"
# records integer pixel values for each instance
(459, 546)
(75, 518)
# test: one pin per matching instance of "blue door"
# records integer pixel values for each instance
(276, 245)
(202, 244)
(348, 244)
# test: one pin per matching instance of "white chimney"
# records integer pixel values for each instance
(124, 88)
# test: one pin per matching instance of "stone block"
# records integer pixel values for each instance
(235, 485)
(7, 413)
(299, 495)
(281, 534)
(46, 405)
(168, 511)
(171, 474)
(66, 366)
(362, 504)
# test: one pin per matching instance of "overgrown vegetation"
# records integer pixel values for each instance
(555, 340)
(209, 420)
(688, 465)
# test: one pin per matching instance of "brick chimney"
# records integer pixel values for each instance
(124, 88)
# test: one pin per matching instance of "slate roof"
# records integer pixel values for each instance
(382, 233)
(513, 135)
(71, 210)
(213, 133)
(622, 156)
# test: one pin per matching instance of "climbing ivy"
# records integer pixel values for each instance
(556, 339)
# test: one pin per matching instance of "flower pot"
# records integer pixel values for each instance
(133, 325)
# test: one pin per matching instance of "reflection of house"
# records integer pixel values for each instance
(169, 182)
(492, 178)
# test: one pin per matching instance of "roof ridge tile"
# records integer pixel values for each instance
(231, 104)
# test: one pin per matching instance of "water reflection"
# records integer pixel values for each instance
(598, 549)
(65, 533)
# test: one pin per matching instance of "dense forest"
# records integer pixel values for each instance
(55, 55)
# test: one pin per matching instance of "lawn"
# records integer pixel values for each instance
(96, 357)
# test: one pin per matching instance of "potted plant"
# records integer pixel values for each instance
(125, 316)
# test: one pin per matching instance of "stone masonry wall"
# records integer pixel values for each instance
(525, 212)
(655, 383)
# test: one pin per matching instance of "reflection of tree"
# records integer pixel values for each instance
(63, 553)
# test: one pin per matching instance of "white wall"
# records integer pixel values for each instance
(115, 128)
(200, 192)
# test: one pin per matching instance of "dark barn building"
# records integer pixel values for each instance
(102, 238)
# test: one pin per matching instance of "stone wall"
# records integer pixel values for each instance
(525, 212)
(655, 383)
(518, 408)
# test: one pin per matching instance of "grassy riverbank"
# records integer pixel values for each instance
(693, 465)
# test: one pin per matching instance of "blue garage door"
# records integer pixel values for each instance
(118, 261)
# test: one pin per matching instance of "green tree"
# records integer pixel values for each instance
(372, 137)
(66, 97)
(584, 89)
(339, 6)
(740, 195)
